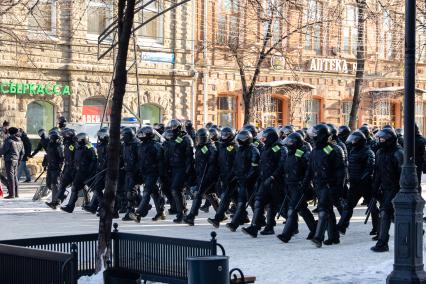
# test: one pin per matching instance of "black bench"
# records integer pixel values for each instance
(20, 265)
(158, 259)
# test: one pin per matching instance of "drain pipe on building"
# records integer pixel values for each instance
(206, 69)
(194, 70)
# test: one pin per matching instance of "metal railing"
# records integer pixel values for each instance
(20, 265)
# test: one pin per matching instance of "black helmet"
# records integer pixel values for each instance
(365, 130)
(214, 134)
(128, 134)
(42, 133)
(286, 131)
(320, 134)
(294, 141)
(68, 134)
(356, 139)
(214, 126)
(168, 134)
(269, 136)
(188, 124)
(388, 126)
(146, 133)
(202, 137)
(103, 135)
(82, 139)
(227, 134)
(244, 137)
(333, 130)
(175, 125)
(387, 138)
(399, 132)
(343, 132)
(54, 135)
(209, 125)
(252, 129)
(302, 132)
(62, 119)
(159, 127)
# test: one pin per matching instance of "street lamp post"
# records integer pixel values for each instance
(408, 203)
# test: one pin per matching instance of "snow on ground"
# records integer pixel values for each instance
(266, 257)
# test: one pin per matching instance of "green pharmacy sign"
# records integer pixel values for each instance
(48, 89)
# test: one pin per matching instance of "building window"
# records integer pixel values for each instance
(421, 39)
(40, 115)
(350, 30)
(99, 15)
(313, 31)
(228, 31)
(420, 117)
(152, 32)
(346, 111)
(150, 114)
(273, 113)
(227, 111)
(386, 37)
(384, 112)
(42, 19)
(93, 110)
(312, 112)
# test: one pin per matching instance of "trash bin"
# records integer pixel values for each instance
(208, 270)
(121, 276)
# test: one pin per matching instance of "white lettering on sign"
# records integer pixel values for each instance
(91, 118)
(330, 65)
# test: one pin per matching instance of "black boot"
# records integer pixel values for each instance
(383, 238)
(251, 231)
(333, 234)
(144, 205)
(159, 206)
(321, 228)
(93, 205)
(289, 227)
(54, 204)
(380, 247)
(237, 219)
(215, 222)
(69, 208)
(189, 219)
(159, 216)
(309, 220)
(179, 206)
(206, 207)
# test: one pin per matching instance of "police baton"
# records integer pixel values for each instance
(93, 177)
(44, 170)
(369, 209)
(282, 206)
(252, 195)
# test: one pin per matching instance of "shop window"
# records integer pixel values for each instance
(312, 112)
(40, 114)
(384, 113)
(42, 19)
(227, 111)
(93, 110)
(99, 15)
(346, 111)
(151, 32)
(313, 31)
(150, 113)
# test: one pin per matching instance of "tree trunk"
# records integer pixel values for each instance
(360, 60)
(125, 23)
(247, 108)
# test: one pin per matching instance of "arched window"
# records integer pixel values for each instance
(150, 113)
(40, 114)
(93, 109)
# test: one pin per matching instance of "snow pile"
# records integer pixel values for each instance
(94, 279)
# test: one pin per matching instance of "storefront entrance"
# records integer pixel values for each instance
(40, 115)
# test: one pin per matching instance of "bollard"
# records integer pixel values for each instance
(208, 270)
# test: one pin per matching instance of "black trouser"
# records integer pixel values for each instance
(326, 217)
(297, 205)
(66, 180)
(386, 214)
(419, 179)
(150, 189)
(357, 190)
(228, 190)
(177, 182)
(12, 177)
(77, 185)
(244, 190)
(52, 181)
(97, 187)
(266, 195)
(132, 192)
(207, 188)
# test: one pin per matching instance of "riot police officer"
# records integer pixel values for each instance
(129, 158)
(246, 171)
(150, 156)
(294, 168)
(268, 192)
(189, 128)
(55, 161)
(370, 141)
(42, 145)
(226, 156)
(389, 159)
(179, 157)
(361, 170)
(326, 169)
(98, 183)
(85, 161)
(286, 131)
(420, 143)
(253, 130)
(159, 127)
(62, 123)
(206, 173)
(165, 175)
(68, 171)
(343, 133)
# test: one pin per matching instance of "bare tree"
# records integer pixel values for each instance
(125, 22)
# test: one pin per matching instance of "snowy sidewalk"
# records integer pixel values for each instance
(267, 258)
